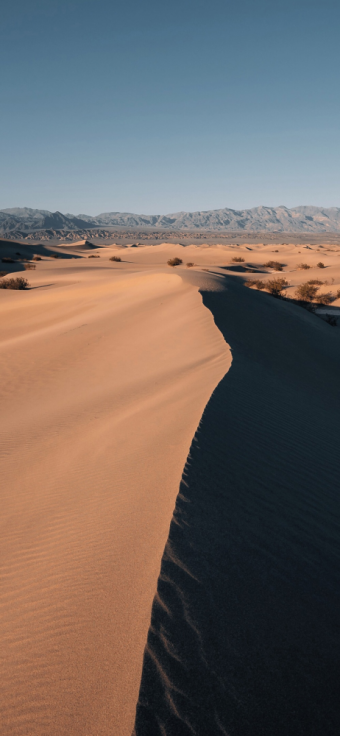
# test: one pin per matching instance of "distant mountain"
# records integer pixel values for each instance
(265, 219)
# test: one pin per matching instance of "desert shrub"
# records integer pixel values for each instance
(315, 282)
(7, 260)
(117, 259)
(331, 320)
(174, 261)
(307, 292)
(276, 286)
(3, 273)
(274, 264)
(93, 256)
(190, 265)
(36, 258)
(238, 259)
(327, 298)
(17, 284)
(303, 266)
(338, 294)
(258, 284)
(29, 266)
(55, 255)
(320, 265)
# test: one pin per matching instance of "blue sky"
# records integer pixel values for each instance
(155, 107)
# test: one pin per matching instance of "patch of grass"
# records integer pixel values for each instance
(320, 265)
(117, 259)
(174, 262)
(276, 286)
(303, 266)
(190, 265)
(29, 266)
(274, 264)
(93, 256)
(16, 284)
(315, 282)
(237, 259)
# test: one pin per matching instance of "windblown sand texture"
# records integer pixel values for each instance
(106, 370)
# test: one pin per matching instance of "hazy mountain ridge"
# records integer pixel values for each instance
(268, 219)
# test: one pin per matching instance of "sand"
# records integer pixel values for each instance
(106, 371)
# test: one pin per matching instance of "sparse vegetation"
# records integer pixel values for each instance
(303, 266)
(315, 282)
(274, 264)
(307, 292)
(325, 299)
(320, 265)
(190, 265)
(338, 294)
(276, 286)
(331, 320)
(36, 258)
(174, 262)
(237, 259)
(29, 266)
(17, 284)
(117, 259)
(258, 284)
(7, 260)
(93, 256)
(55, 255)
(3, 273)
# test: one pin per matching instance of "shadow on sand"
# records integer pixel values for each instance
(244, 632)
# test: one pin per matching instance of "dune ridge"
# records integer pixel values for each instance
(104, 377)
(243, 635)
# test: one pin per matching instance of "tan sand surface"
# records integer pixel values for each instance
(104, 376)
(106, 369)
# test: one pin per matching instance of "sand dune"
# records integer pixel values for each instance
(244, 630)
(104, 380)
(106, 369)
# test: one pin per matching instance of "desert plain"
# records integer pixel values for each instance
(169, 540)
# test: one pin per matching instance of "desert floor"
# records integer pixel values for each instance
(130, 389)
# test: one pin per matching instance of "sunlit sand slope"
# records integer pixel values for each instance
(244, 631)
(104, 377)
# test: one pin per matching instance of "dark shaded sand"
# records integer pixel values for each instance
(245, 623)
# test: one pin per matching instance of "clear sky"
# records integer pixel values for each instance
(153, 107)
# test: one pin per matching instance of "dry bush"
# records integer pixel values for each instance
(238, 259)
(325, 299)
(320, 265)
(17, 284)
(55, 255)
(7, 260)
(93, 256)
(276, 286)
(258, 284)
(331, 320)
(36, 258)
(338, 294)
(190, 265)
(303, 266)
(3, 273)
(315, 282)
(307, 292)
(29, 266)
(117, 259)
(274, 264)
(174, 261)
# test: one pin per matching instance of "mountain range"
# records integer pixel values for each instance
(306, 219)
